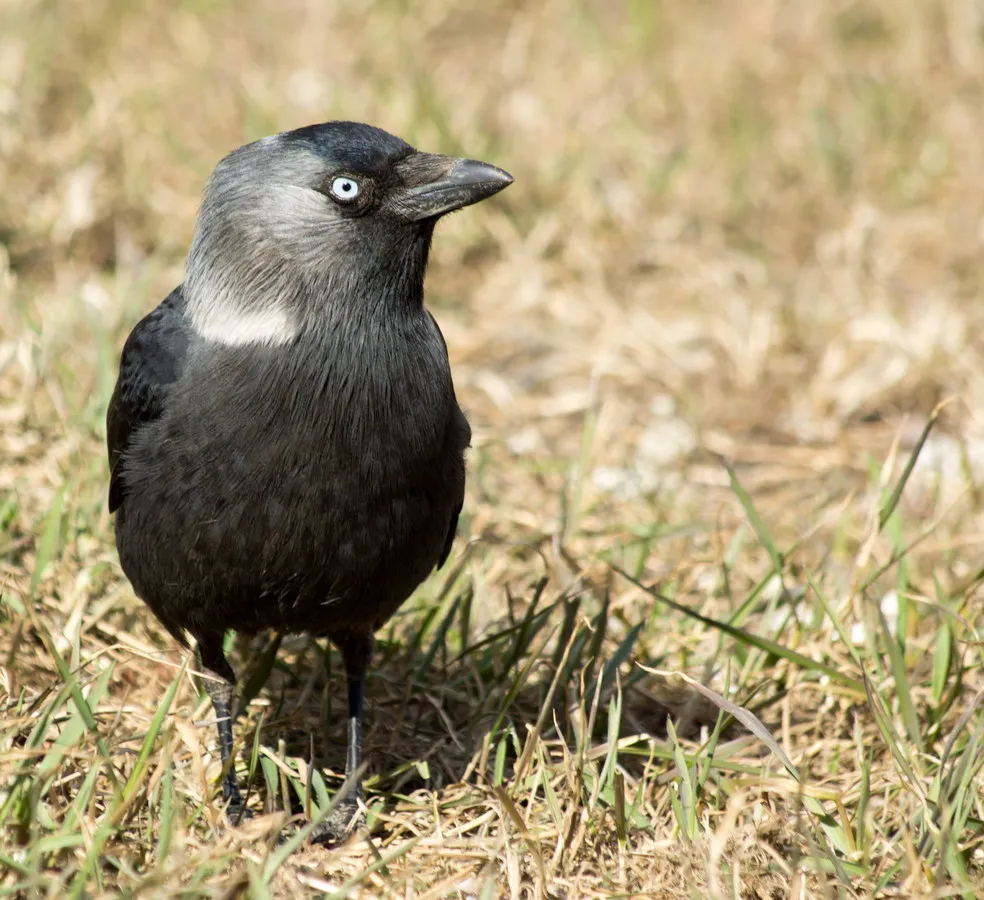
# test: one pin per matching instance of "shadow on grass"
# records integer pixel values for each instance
(441, 710)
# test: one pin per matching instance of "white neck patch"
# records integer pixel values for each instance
(238, 328)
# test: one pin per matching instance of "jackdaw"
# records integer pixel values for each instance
(285, 446)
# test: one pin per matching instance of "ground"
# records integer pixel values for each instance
(721, 348)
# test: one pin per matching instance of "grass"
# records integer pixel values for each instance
(712, 624)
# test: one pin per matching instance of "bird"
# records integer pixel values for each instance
(286, 449)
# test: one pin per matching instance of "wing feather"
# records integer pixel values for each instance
(152, 360)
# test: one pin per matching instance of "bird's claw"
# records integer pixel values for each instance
(237, 813)
(339, 824)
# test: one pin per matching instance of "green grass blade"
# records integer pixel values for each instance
(754, 519)
(888, 507)
(791, 656)
(140, 766)
(48, 544)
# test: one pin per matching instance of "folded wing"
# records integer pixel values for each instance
(153, 358)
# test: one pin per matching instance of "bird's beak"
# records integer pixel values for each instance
(435, 185)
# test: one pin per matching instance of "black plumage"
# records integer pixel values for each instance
(285, 445)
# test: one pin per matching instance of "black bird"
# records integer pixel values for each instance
(285, 446)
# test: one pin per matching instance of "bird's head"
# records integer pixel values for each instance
(295, 223)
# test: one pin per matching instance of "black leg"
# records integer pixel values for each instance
(220, 684)
(356, 653)
(353, 752)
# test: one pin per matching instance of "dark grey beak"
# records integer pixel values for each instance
(436, 185)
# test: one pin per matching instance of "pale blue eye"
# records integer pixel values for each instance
(343, 188)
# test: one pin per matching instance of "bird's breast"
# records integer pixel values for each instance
(298, 474)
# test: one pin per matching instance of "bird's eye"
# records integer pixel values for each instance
(344, 189)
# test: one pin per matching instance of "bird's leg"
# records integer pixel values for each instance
(356, 652)
(353, 750)
(220, 684)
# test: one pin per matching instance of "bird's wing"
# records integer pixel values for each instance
(463, 433)
(152, 360)
(463, 430)
(449, 540)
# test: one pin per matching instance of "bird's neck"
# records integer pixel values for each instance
(274, 301)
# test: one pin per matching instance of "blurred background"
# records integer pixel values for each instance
(767, 218)
(741, 230)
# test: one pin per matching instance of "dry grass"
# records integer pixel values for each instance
(748, 231)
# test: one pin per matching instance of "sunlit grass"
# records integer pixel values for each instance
(711, 626)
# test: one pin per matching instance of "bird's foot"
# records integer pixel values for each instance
(339, 824)
(237, 812)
